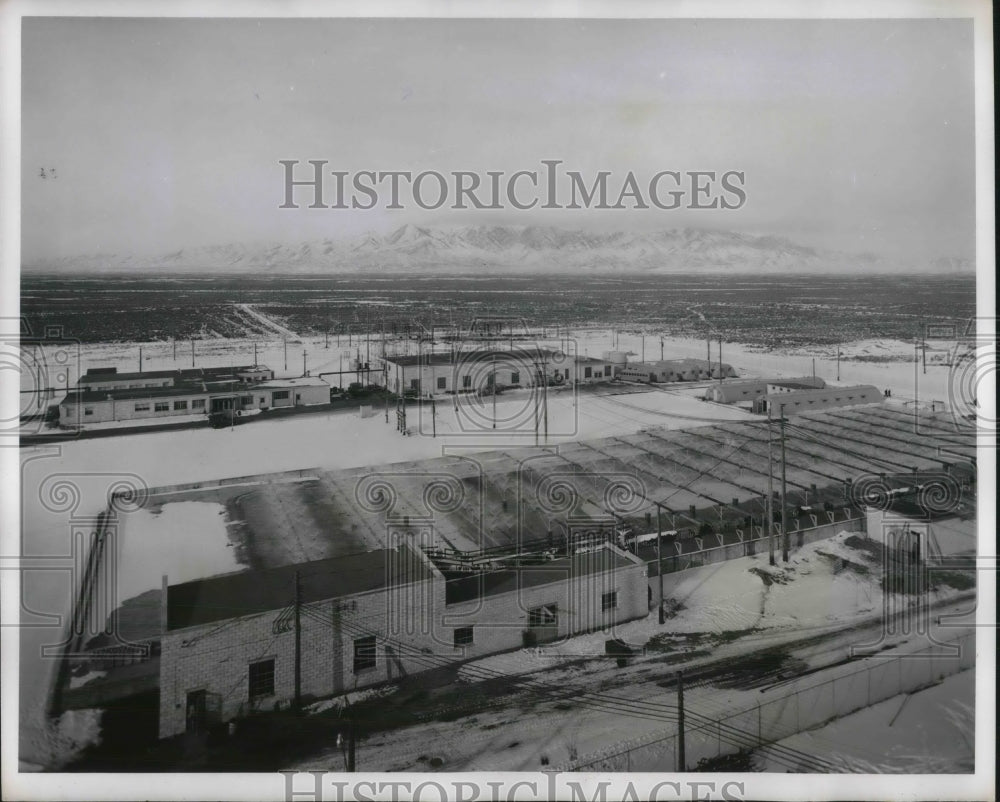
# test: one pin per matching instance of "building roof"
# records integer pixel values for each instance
(301, 381)
(219, 598)
(126, 394)
(467, 357)
(470, 586)
(90, 377)
(589, 360)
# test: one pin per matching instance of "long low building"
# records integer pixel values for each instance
(228, 642)
(804, 400)
(108, 396)
(445, 372)
(668, 371)
(751, 390)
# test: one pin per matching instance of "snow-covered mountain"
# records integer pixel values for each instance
(530, 249)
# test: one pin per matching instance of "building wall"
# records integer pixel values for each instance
(498, 621)
(126, 409)
(401, 377)
(414, 629)
(218, 655)
(735, 392)
(823, 399)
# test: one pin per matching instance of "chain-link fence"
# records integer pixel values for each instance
(767, 722)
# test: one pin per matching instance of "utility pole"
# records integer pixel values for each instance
(681, 757)
(285, 343)
(838, 363)
(385, 386)
(351, 743)
(784, 510)
(255, 354)
(708, 342)
(298, 644)
(140, 359)
(175, 349)
(923, 345)
(720, 359)
(326, 337)
(769, 507)
(659, 558)
(192, 353)
(434, 424)
(643, 348)
(661, 349)
(545, 401)
(304, 371)
(537, 400)
(494, 388)
(814, 368)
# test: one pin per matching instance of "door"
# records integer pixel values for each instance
(196, 711)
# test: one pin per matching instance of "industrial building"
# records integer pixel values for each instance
(448, 372)
(676, 370)
(795, 400)
(256, 640)
(751, 390)
(103, 396)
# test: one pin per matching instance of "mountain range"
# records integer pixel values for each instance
(512, 249)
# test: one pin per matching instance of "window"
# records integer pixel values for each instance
(515, 377)
(88, 410)
(546, 616)
(586, 373)
(198, 403)
(142, 406)
(365, 652)
(414, 384)
(246, 400)
(441, 382)
(161, 406)
(607, 370)
(180, 405)
(466, 381)
(463, 636)
(261, 679)
(280, 395)
(609, 601)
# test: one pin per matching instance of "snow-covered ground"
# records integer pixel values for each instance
(817, 609)
(344, 439)
(930, 731)
(824, 584)
(186, 540)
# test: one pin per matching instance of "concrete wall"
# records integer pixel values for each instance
(216, 657)
(415, 631)
(499, 620)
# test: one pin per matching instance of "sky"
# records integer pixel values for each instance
(166, 133)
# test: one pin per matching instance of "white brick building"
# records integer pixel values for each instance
(228, 643)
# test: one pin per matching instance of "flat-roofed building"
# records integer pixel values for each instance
(228, 642)
(668, 371)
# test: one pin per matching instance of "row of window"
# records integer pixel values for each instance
(164, 406)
